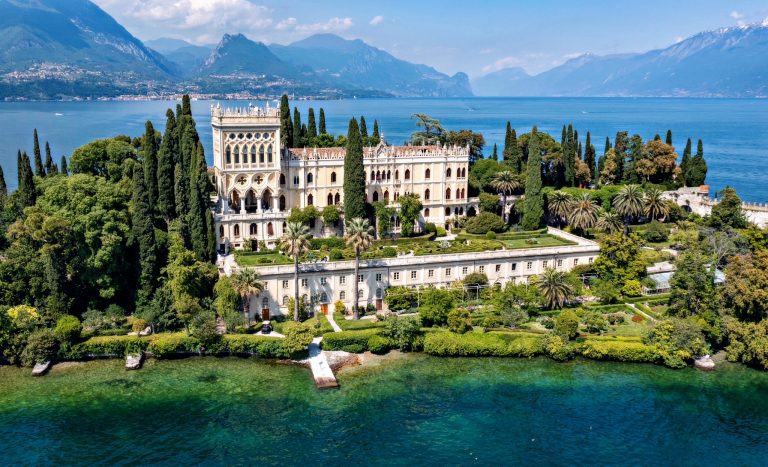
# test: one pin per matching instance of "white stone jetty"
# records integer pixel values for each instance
(321, 369)
(41, 368)
(133, 362)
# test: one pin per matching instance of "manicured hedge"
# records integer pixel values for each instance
(349, 341)
(622, 351)
(263, 346)
(473, 344)
(104, 346)
(166, 345)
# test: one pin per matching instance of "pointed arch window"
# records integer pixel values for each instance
(229, 155)
(310, 178)
(337, 199)
(237, 154)
(447, 193)
(261, 154)
(253, 154)
(310, 200)
(407, 174)
(237, 230)
(330, 199)
(426, 194)
(282, 179)
(269, 153)
(254, 229)
(375, 196)
(333, 177)
(282, 202)
(270, 230)
(448, 173)
(427, 174)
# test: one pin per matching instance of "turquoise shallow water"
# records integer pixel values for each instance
(734, 131)
(415, 410)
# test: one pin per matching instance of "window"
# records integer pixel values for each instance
(379, 294)
(427, 174)
(333, 177)
(359, 278)
(221, 233)
(426, 212)
(342, 295)
(575, 261)
(253, 155)
(269, 153)
(229, 155)
(431, 273)
(265, 302)
(323, 297)
(447, 271)
(342, 280)
(397, 175)
(282, 179)
(261, 154)
(253, 229)
(285, 300)
(590, 260)
(559, 262)
(285, 284)
(323, 281)
(514, 266)
(481, 269)
(545, 263)
(464, 271)
(413, 274)
(330, 200)
(304, 282)
(295, 179)
(396, 276)
(337, 199)
(310, 200)
(360, 293)
(237, 155)
(237, 230)
(447, 193)
(448, 173)
(529, 266)
(310, 178)
(498, 268)
(426, 194)
(378, 277)
(407, 174)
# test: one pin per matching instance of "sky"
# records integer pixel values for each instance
(473, 36)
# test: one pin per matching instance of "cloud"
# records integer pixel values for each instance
(739, 17)
(288, 23)
(512, 61)
(376, 20)
(332, 25)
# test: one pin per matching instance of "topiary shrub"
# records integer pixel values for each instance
(548, 322)
(557, 347)
(167, 345)
(389, 252)
(349, 341)
(336, 255)
(42, 346)
(567, 324)
(68, 329)
(429, 227)
(484, 223)
(490, 235)
(621, 351)
(378, 345)
(441, 232)
(595, 323)
(459, 321)
(298, 336)
(632, 288)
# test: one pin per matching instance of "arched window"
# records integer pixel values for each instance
(427, 174)
(237, 230)
(254, 229)
(379, 293)
(330, 199)
(386, 197)
(397, 175)
(456, 211)
(375, 196)
(333, 177)
(253, 154)
(426, 212)
(342, 295)
(310, 200)
(447, 193)
(447, 211)
(397, 195)
(221, 231)
(269, 153)
(261, 154)
(337, 199)
(285, 226)
(448, 173)
(373, 175)
(407, 174)
(378, 175)
(310, 178)
(463, 193)
(463, 173)
(285, 300)
(229, 155)
(270, 230)
(461, 211)
(282, 202)
(237, 154)
(323, 297)
(426, 194)
(389, 174)
(282, 179)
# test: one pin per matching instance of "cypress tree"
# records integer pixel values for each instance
(49, 165)
(513, 154)
(579, 152)
(296, 128)
(669, 137)
(636, 154)
(507, 152)
(363, 131)
(533, 214)
(64, 167)
(495, 155)
(39, 168)
(311, 125)
(3, 189)
(607, 145)
(186, 106)
(376, 137)
(620, 145)
(698, 167)
(569, 158)
(26, 179)
(685, 164)
(198, 232)
(589, 156)
(354, 174)
(181, 195)
(149, 153)
(657, 137)
(143, 232)
(166, 199)
(286, 128)
(321, 127)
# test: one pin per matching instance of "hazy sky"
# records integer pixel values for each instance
(473, 36)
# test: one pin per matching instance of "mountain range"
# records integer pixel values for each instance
(727, 62)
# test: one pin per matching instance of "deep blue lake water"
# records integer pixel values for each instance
(734, 131)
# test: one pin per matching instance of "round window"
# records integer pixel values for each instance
(266, 135)
(231, 136)
(240, 136)
(248, 136)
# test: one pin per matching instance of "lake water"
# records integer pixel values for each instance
(734, 131)
(416, 410)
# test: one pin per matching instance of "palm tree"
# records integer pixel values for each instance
(247, 283)
(559, 205)
(656, 207)
(505, 182)
(608, 222)
(553, 284)
(583, 214)
(628, 203)
(295, 242)
(360, 237)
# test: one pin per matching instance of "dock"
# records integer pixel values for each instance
(321, 370)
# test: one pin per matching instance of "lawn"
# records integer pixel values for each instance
(248, 259)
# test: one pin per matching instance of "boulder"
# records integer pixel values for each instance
(133, 362)
(704, 363)
(41, 368)
(146, 331)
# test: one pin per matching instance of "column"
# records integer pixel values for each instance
(275, 203)
(258, 205)
(242, 205)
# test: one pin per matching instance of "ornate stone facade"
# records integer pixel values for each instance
(258, 181)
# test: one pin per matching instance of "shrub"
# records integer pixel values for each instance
(445, 344)
(557, 347)
(205, 332)
(548, 322)
(459, 321)
(595, 323)
(298, 336)
(616, 318)
(430, 227)
(139, 325)
(637, 318)
(567, 324)
(485, 222)
(263, 346)
(655, 232)
(621, 351)
(677, 340)
(435, 305)
(336, 255)
(101, 346)
(41, 346)
(492, 321)
(378, 344)
(166, 345)
(491, 235)
(329, 243)
(349, 341)
(476, 279)
(441, 232)
(68, 329)
(389, 252)
(632, 288)
(339, 307)
(403, 332)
